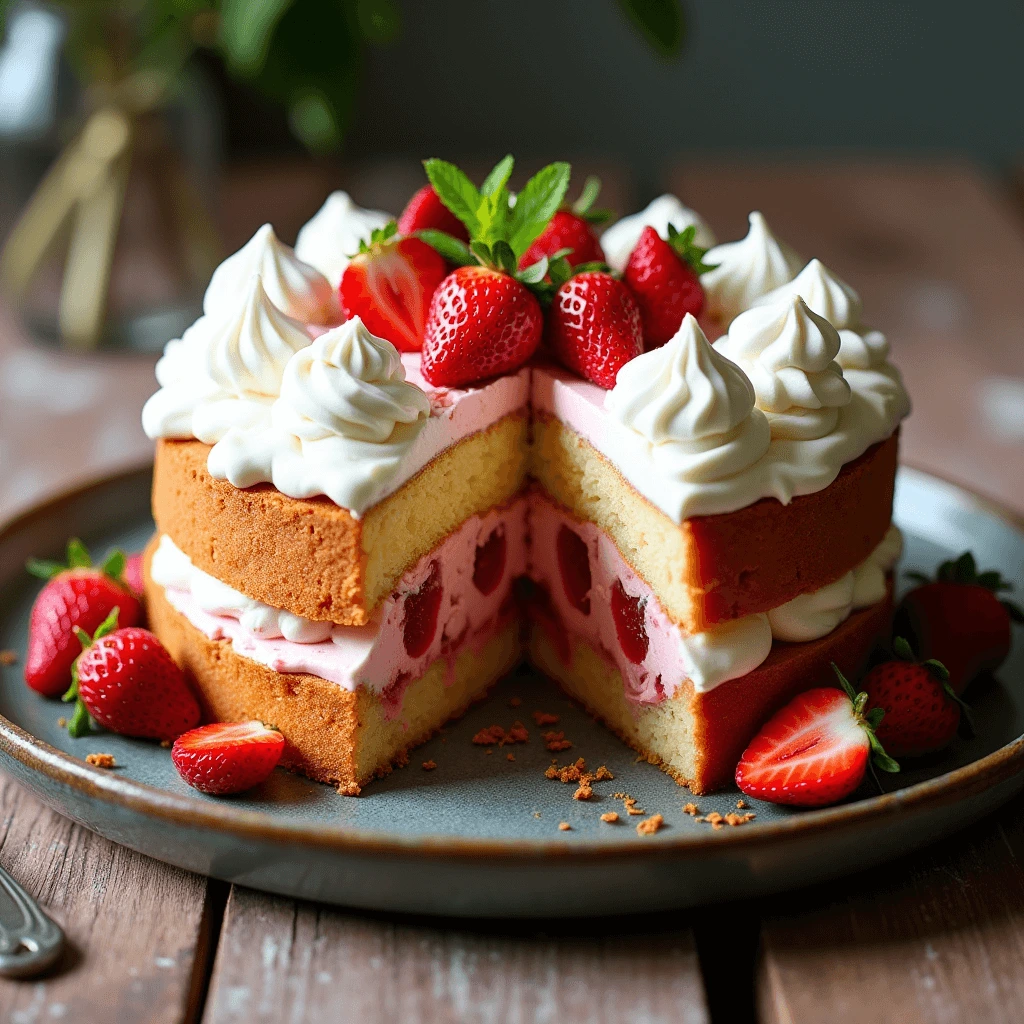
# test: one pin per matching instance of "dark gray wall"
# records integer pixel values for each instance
(544, 77)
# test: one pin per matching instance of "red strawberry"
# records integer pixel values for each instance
(664, 277)
(481, 322)
(128, 683)
(572, 229)
(389, 284)
(815, 750)
(489, 562)
(227, 757)
(75, 595)
(133, 573)
(594, 326)
(426, 211)
(922, 713)
(960, 620)
(419, 623)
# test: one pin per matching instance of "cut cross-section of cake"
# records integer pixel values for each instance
(353, 554)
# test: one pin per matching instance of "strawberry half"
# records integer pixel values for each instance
(665, 278)
(75, 595)
(227, 757)
(572, 230)
(594, 326)
(389, 284)
(959, 619)
(815, 750)
(125, 680)
(922, 713)
(425, 211)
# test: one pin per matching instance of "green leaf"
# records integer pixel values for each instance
(874, 717)
(535, 272)
(844, 683)
(108, 625)
(592, 267)
(78, 555)
(965, 569)
(587, 198)
(879, 757)
(72, 691)
(498, 178)
(504, 257)
(536, 204)
(903, 649)
(83, 638)
(688, 250)
(454, 250)
(482, 251)
(379, 20)
(44, 568)
(314, 121)
(1014, 611)
(661, 22)
(937, 669)
(80, 723)
(114, 565)
(559, 270)
(246, 28)
(918, 577)
(457, 192)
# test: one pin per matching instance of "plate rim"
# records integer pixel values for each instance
(65, 769)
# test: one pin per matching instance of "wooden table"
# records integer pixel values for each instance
(938, 253)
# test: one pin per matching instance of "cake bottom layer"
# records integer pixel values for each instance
(698, 737)
(345, 737)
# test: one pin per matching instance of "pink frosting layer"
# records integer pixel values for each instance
(376, 655)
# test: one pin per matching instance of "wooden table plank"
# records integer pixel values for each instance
(937, 252)
(934, 938)
(139, 932)
(281, 960)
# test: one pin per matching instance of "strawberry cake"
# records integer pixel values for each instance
(393, 463)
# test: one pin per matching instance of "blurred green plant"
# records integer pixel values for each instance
(303, 54)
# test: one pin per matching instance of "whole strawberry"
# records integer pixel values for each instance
(484, 318)
(572, 229)
(426, 212)
(227, 757)
(125, 680)
(960, 619)
(815, 750)
(922, 713)
(75, 595)
(389, 284)
(665, 278)
(594, 326)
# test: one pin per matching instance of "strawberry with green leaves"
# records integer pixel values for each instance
(425, 212)
(573, 230)
(664, 276)
(960, 619)
(485, 318)
(77, 595)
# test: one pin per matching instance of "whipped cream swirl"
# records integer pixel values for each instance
(693, 406)
(620, 239)
(861, 347)
(789, 352)
(333, 234)
(294, 287)
(747, 269)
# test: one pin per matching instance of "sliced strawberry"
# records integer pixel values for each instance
(572, 229)
(665, 278)
(960, 619)
(489, 562)
(128, 683)
(421, 609)
(426, 212)
(628, 613)
(594, 326)
(227, 757)
(389, 284)
(75, 596)
(574, 567)
(815, 750)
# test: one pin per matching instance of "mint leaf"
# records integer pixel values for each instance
(452, 249)
(498, 178)
(456, 191)
(536, 204)
(482, 251)
(504, 258)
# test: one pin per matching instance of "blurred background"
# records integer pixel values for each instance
(143, 140)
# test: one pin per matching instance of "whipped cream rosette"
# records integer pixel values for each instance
(747, 269)
(789, 353)
(861, 347)
(620, 239)
(332, 235)
(294, 287)
(694, 408)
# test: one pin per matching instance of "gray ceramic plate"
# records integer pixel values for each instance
(479, 835)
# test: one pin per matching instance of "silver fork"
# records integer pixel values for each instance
(29, 941)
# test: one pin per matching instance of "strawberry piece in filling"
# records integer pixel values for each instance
(574, 565)
(489, 563)
(628, 613)
(421, 609)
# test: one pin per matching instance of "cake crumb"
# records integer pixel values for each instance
(8, 657)
(429, 766)
(584, 792)
(352, 789)
(742, 804)
(536, 814)
(62, 722)
(489, 736)
(570, 773)
(515, 702)
(739, 819)
(603, 774)
(401, 759)
(488, 751)
(510, 757)
(517, 734)
(165, 744)
(100, 760)
(629, 803)
(691, 809)
(545, 718)
(556, 741)
(564, 826)
(610, 817)
(714, 819)
(650, 825)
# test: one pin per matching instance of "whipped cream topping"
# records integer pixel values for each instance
(294, 287)
(747, 269)
(693, 407)
(621, 238)
(225, 371)
(861, 347)
(332, 235)
(789, 353)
